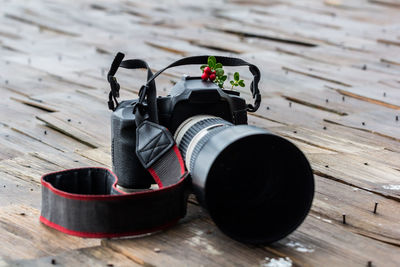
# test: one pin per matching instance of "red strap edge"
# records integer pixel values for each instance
(106, 197)
(181, 164)
(179, 155)
(156, 177)
(123, 194)
(104, 235)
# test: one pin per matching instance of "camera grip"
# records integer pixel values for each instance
(126, 165)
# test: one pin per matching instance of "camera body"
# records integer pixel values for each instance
(189, 97)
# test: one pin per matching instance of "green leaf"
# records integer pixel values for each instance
(212, 62)
(219, 72)
(232, 82)
(223, 78)
(218, 66)
(221, 84)
(203, 67)
(241, 83)
(236, 76)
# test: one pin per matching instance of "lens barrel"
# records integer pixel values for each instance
(257, 187)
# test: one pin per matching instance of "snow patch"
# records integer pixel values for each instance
(299, 247)
(280, 262)
(392, 187)
(202, 243)
(326, 220)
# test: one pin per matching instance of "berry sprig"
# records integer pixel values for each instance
(237, 81)
(214, 72)
(208, 74)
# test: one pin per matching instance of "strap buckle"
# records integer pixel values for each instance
(111, 79)
(114, 86)
(142, 93)
(111, 105)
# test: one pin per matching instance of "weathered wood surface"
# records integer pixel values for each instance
(330, 83)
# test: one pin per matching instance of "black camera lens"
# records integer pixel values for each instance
(257, 187)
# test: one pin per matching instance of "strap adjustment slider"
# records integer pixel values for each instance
(111, 105)
(114, 85)
(143, 92)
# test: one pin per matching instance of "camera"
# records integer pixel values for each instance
(257, 187)
(188, 98)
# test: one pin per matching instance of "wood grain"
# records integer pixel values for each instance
(329, 82)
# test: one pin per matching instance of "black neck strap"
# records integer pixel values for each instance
(86, 202)
(226, 61)
(148, 95)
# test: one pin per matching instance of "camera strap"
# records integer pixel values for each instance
(225, 61)
(149, 90)
(86, 202)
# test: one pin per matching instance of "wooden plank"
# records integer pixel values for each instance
(24, 237)
(55, 59)
(18, 139)
(333, 199)
(356, 171)
(100, 155)
(32, 166)
(281, 110)
(332, 101)
(382, 123)
(50, 137)
(315, 241)
(27, 168)
(358, 137)
(325, 139)
(203, 245)
(61, 125)
(327, 243)
(18, 192)
(91, 256)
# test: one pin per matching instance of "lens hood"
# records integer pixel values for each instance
(258, 187)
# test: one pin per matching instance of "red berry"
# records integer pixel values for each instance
(204, 76)
(207, 70)
(212, 76)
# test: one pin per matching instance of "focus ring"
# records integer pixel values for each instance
(195, 129)
(200, 144)
(194, 133)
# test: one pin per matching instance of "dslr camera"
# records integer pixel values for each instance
(257, 187)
